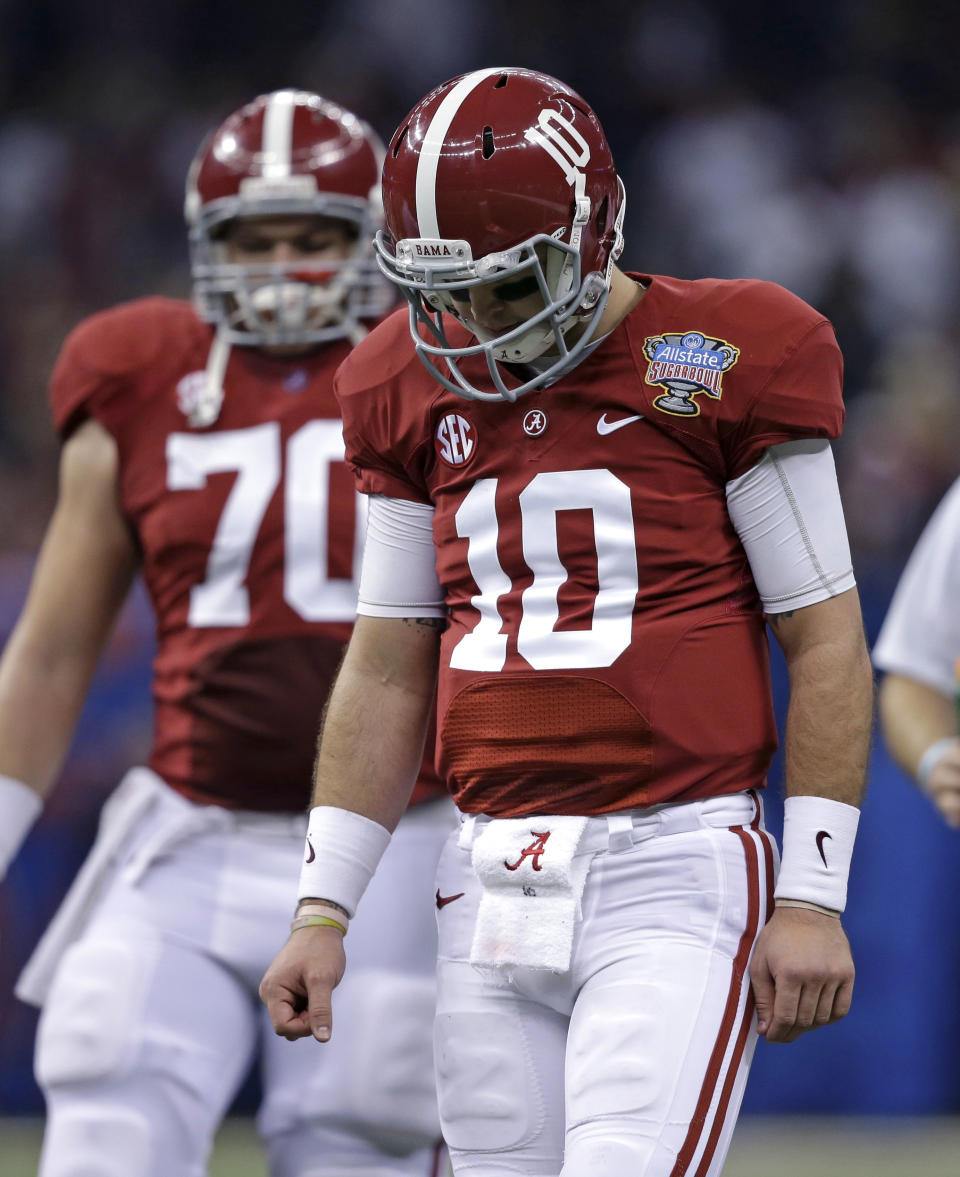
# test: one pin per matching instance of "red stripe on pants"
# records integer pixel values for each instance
(728, 1027)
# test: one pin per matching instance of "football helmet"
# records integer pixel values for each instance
(502, 178)
(286, 153)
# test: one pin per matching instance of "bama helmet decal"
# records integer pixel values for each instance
(685, 364)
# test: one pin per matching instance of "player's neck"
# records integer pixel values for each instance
(625, 294)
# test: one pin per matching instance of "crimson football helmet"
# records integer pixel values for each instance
(502, 177)
(286, 153)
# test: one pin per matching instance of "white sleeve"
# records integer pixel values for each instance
(398, 577)
(920, 637)
(788, 515)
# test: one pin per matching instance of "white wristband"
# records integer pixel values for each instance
(932, 757)
(818, 837)
(19, 808)
(342, 852)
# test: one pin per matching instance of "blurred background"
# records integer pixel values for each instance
(815, 144)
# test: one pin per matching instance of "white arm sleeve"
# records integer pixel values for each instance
(398, 577)
(787, 513)
(920, 637)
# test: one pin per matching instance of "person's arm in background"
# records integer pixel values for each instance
(802, 970)
(920, 726)
(918, 647)
(83, 573)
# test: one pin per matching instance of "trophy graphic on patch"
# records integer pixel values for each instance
(685, 364)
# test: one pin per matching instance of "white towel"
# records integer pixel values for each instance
(532, 879)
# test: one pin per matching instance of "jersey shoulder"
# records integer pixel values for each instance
(104, 355)
(387, 359)
(385, 393)
(761, 315)
(738, 364)
(380, 357)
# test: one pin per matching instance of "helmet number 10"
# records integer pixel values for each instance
(563, 143)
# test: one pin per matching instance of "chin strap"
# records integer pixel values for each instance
(206, 410)
(358, 331)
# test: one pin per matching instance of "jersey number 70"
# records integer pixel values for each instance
(222, 598)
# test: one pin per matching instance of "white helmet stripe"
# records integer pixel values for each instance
(278, 134)
(432, 145)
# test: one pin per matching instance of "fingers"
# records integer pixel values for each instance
(802, 974)
(296, 1026)
(320, 1018)
(786, 1003)
(297, 989)
(796, 1009)
(800, 1006)
(826, 1011)
(948, 802)
(808, 1003)
(843, 1000)
(943, 785)
(763, 992)
(287, 1009)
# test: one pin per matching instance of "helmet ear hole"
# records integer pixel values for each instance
(398, 140)
(601, 221)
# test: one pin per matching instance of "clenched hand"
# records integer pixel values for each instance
(298, 986)
(802, 973)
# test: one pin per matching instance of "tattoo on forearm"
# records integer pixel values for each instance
(437, 624)
(774, 619)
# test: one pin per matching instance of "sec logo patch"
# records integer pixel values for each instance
(455, 439)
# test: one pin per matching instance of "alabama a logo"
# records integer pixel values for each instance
(686, 364)
(199, 399)
(535, 851)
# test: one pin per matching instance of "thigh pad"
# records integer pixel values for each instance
(95, 1003)
(490, 1097)
(107, 1141)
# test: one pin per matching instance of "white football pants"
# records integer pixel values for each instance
(153, 1017)
(633, 1063)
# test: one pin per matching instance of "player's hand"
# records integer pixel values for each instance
(943, 785)
(298, 986)
(802, 973)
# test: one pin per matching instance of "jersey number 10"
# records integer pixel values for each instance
(541, 642)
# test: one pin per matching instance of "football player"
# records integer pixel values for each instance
(202, 447)
(605, 480)
(919, 648)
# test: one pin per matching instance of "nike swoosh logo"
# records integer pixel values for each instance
(443, 900)
(821, 836)
(312, 854)
(604, 426)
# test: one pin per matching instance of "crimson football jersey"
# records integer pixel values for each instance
(606, 646)
(250, 533)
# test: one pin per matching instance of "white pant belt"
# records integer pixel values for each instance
(626, 827)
